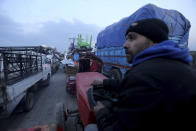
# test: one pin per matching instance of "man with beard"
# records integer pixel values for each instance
(158, 92)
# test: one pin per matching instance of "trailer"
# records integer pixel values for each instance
(22, 70)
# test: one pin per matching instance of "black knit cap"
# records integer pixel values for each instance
(152, 28)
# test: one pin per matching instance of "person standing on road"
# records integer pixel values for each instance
(159, 91)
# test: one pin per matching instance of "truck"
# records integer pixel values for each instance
(109, 46)
(22, 70)
(54, 56)
(55, 62)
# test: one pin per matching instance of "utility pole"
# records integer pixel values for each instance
(73, 39)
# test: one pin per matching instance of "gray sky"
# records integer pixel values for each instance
(52, 22)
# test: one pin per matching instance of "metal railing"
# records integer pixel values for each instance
(19, 63)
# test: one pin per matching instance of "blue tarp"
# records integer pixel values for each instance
(179, 26)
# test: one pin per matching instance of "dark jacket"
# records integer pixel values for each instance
(157, 93)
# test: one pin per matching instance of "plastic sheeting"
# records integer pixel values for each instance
(113, 35)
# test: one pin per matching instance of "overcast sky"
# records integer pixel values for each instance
(52, 22)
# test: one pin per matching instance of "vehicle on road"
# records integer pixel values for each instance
(22, 70)
(54, 56)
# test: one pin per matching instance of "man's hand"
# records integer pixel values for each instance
(98, 82)
(98, 107)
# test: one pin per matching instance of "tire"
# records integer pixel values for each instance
(59, 111)
(101, 70)
(28, 102)
(34, 88)
(115, 74)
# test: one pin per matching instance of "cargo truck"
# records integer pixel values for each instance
(22, 69)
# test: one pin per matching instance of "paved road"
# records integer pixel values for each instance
(43, 112)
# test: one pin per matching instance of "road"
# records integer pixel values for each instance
(43, 112)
